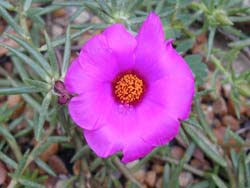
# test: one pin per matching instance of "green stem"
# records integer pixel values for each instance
(23, 23)
(14, 182)
(78, 142)
(246, 144)
(125, 171)
(185, 166)
(230, 173)
(218, 65)
(203, 121)
(14, 147)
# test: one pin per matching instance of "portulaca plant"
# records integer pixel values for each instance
(117, 93)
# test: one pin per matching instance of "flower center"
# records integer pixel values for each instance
(129, 88)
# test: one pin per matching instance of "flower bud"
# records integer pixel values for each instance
(63, 95)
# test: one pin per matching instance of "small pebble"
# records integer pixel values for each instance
(140, 175)
(177, 152)
(57, 165)
(151, 178)
(220, 107)
(3, 173)
(230, 121)
(185, 179)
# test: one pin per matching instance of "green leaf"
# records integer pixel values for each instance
(8, 160)
(38, 150)
(177, 170)
(30, 183)
(23, 132)
(234, 158)
(132, 5)
(20, 69)
(43, 115)
(202, 184)
(47, 9)
(61, 40)
(234, 135)
(7, 5)
(19, 90)
(240, 43)
(5, 83)
(27, 4)
(96, 163)
(66, 57)
(241, 171)
(32, 102)
(114, 4)
(248, 158)
(247, 171)
(33, 51)
(52, 56)
(205, 144)
(38, 84)
(21, 164)
(15, 123)
(100, 13)
(184, 136)
(240, 18)
(199, 69)
(79, 153)
(6, 113)
(159, 6)
(6, 134)
(43, 1)
(25, 59)
(53, 139)
(210, 41)
(71, 3)
(185, 45)
(166, 176)
(57, 139)
(98, 26)
(9, 19)
(45, 167)
(76, 14)
(104, 6)
(234, 31)
(218, 181)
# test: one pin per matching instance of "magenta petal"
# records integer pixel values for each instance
(103, 141)
(110, 51)
(150, 48)
(154, 57)
(118, 129)
(74, 79)
(80, 79)
(122, 45)
(89, 110)
(175, 94)
(154, 127)
(175, 64)
(97, 49)
(157, 125)
(135, 149)
(84, 77)
(151, 31)
(96, 55)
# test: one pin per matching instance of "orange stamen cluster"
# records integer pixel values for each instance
(129, 88)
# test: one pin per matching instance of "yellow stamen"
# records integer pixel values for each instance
(129, 88)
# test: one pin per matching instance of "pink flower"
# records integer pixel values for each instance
(131, 91)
